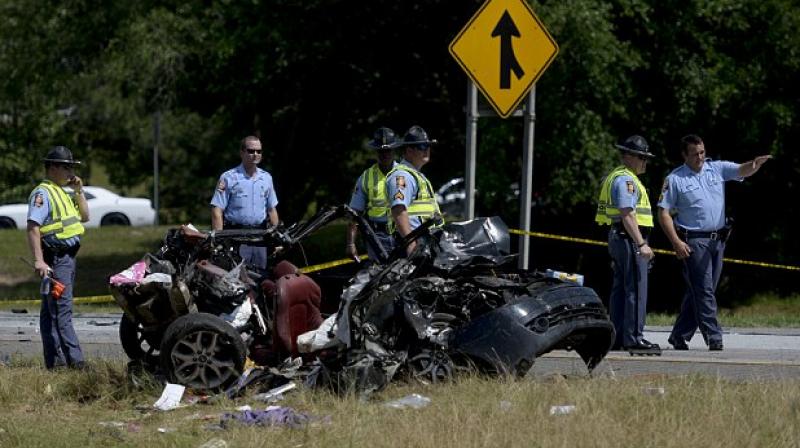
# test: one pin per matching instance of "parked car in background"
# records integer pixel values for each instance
(105, 209)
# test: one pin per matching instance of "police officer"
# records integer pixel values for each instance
(54, 237)
(244, 199)
(410, 193)
(692, 214)
(624, 206)
(369, 194)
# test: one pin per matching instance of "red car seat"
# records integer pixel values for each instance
(297, 302)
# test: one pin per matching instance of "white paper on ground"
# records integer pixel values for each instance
(170, 397)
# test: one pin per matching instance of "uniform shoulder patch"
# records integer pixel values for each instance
(221, 185)
(629, 185)
(399, 195)
(400, 181)
(38, 200)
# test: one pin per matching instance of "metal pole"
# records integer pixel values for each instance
(526, 188)
(472, 143)
(156, 142)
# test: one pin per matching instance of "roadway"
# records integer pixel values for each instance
(750, 353)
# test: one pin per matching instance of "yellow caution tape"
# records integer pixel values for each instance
(330, 264)
(76, 300)
(658, 251)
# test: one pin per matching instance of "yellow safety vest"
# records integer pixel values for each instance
(607, 213)
(64, 215)
(373, 182)
(424, 205)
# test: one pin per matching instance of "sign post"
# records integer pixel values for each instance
(504, 49)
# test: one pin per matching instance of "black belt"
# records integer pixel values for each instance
(379, 226)
(619, 229)
(231, 226)
(721, 234)
(61, 251)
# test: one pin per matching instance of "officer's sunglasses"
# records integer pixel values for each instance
(66, 166)
(423, 147)
(253, 151)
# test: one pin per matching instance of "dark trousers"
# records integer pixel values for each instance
(254, 256)
(628, 302)
(59, 341)
(386, 240)
(701, 274)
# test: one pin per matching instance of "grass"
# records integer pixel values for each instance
(766, 310)
(66, 409)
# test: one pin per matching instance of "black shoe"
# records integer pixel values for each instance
(715, 346)
(678, 343)
(642, 345)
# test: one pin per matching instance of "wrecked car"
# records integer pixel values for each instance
(457, 303)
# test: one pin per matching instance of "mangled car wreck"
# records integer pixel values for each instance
(458, 303)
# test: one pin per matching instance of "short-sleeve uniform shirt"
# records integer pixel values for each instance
(401, 189)
(624, 193)
(243, 199)
(697, 200)
(39, 212)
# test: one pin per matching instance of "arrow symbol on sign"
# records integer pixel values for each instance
(506, 29)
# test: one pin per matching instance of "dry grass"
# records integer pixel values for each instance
(65, 409)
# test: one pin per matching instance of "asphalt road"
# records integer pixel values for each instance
(752, 354)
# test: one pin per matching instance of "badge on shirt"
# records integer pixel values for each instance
(38, 201)
(401, 181)
(399, 195)
(221, 185)
(631, 188)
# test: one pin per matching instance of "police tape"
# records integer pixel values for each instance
(330, 264)
(658, 251)
(76, 300)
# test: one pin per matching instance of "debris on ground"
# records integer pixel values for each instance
(505, 405)
(562, 409)
(214, 443)
(276, 393)
(659, 391)
(170, 397)
(414, 401)
(271, 416)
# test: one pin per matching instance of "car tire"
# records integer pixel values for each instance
(7, 223)
(136, 344)
(203, 352)
(115, 219)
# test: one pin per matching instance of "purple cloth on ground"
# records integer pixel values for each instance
(277, 416)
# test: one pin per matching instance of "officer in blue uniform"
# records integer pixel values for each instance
(245, 199)
(692, 214)
(411, 196)
(624, 205)
(54, 237)
(369, 195)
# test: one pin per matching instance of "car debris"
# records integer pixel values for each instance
(562, 409)
(413, 401)
(457, 304)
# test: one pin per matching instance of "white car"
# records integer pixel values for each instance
(105, 209)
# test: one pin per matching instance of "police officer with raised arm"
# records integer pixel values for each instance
(692, 214)
(410, 193)
(369, 194)
(625, 207)
(245, 199)
(54, 237)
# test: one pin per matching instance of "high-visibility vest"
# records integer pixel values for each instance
(65, 219)
(607, 213)
(424, 205)
(373, 183)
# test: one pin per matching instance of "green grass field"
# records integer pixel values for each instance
(99, 408)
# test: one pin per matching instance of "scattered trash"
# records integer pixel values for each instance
(111, 424)
(318, 339)
(244, 408)
(214, 443)
(48, 390)
(102, 324)
(653, 390)
(166, 430)
(133, 274)
(276, 393)
(562, 410)
(271, 416)
(505, 405)
(414, 401)
(170, 397)
(19, 310)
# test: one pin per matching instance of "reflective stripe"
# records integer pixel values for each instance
(374, 185)
(64, 215)
(606, 210)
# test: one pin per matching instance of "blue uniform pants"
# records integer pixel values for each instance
(628, 301)
(701, 273)
(254, 256)
(386, 240)
(59, 341)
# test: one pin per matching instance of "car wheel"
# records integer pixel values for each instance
(136, 344)
(115, 219)
(7, 223)
(202, 351)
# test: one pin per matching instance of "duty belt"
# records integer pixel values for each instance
(721, 234)
(232, 226)
(619, 229)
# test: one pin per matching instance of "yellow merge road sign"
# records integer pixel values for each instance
(504, 48)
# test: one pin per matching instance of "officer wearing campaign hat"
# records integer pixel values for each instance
(369, 193)
(411, 195)
(624, 206)
(54, 237)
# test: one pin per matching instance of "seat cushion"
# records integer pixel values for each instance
(297, 311)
